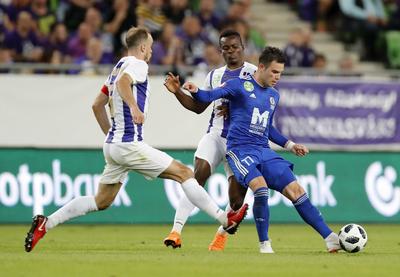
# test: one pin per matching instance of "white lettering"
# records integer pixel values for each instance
(9, 198)
(42, 192)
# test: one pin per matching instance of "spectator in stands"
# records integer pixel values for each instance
(327, 13)
(168, 49)
(16, 7)
(298, 51)
(94, 19)
(366, 18)
(150, 15)
(93, 57)
(176, 11)
(5, 57)
(121, 16)
(78, 42)
(392, 8)
(194, 40)
(307, 49)
(5, 23)
(319, 62)
(346, 63)
(209, 19)
(239, 10)
(253, 40)
(43, 16)
(213, 58)
(58, 45)
(23, 43)
(75, 13)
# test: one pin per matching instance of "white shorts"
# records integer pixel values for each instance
(212, 148)
(138, 156)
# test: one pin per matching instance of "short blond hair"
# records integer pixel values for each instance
(135, 36)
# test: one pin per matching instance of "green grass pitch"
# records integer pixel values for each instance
(137, 250)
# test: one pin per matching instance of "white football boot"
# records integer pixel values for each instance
(266, 248)
(332, 243)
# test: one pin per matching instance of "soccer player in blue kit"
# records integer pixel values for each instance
(252, 103)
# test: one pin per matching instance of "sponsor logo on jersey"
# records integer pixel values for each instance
(248, 86)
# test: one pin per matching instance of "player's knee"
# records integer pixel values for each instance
(293, 191)
(103, 203)
(200, 177)
(185, 172)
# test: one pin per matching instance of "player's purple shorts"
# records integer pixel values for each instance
(248, 163)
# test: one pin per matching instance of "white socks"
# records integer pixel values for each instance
(76, 207)
(221, 229)
(185, 207)
(199, 197)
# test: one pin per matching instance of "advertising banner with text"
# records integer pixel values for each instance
(346, 187)
(340, 113)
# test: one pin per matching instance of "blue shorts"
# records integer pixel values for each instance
(248, 163)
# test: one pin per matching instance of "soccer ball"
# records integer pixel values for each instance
(352, 238)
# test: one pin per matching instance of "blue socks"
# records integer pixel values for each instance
(261, 213)
(311, 215)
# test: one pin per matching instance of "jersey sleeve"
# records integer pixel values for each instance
(225, 90)
(276, 137)
(138, 71)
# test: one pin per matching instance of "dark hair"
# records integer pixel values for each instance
(135, 36)
(230, 33)
(270, 54)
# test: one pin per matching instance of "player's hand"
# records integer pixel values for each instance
(172, 83)
(300, 150)
(223, 110)
(137, 115)
(189, 86)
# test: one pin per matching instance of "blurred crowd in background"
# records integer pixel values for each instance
(369, 27)
(185, 32)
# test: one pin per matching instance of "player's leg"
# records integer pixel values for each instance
(279, 175)
(244, 166)
(236, 194)
(185, 207)
(310, 214)
(111, 182)
(199, 197)
(206, 159)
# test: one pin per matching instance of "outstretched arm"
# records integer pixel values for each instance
(206, 96)
(173, 84)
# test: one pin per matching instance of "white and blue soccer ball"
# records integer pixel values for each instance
(352, 238)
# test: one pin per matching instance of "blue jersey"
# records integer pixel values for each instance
(251, 108)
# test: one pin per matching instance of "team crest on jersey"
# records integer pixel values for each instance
(272, 102)
(248, 86)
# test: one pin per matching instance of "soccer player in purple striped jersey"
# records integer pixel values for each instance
(211, 150)
(124, 148)
(252, 103)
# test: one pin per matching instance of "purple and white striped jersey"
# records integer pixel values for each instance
(123, 129)
(214, 79)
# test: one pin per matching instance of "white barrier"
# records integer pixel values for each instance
(55, 111)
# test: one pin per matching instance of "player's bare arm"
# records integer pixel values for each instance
(173, 85)
(99, 110)
(125, 91)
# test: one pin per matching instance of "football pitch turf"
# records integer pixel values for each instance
(137, 250)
